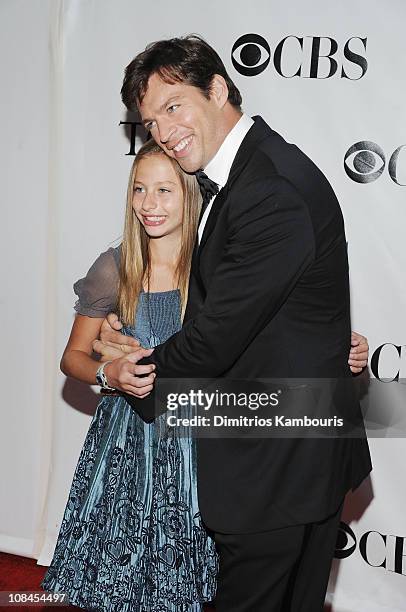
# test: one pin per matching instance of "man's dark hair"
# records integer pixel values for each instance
(188, 59)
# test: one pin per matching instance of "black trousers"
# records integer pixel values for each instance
(284, 570)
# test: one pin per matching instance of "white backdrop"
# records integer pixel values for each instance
(63, 155)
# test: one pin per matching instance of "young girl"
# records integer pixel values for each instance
(131, 538)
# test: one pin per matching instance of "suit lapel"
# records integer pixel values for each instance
(214, 213)
(259, 131)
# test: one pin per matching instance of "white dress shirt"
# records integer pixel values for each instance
(219, 167)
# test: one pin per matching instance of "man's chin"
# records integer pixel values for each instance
(188, 165)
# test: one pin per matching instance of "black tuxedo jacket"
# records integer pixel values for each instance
(268, 297)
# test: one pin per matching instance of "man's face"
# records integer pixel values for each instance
(182, 121)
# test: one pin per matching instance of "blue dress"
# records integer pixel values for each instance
(131, 538)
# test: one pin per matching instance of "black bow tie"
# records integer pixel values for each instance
(208, 188)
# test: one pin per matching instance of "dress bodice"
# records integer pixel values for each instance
(157, 317)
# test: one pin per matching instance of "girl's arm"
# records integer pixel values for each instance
(97, 295)
(122, 373)
(77, 361)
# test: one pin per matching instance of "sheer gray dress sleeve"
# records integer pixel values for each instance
(97, 291)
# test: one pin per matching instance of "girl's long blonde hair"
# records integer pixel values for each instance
(135, 258)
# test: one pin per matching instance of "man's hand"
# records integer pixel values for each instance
(112, 344)
(358, 358)
(124, 374)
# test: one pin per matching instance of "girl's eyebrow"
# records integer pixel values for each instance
(159, 182)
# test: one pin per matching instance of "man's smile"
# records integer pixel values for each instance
(183, 146)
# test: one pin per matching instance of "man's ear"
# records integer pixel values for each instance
(219, 90)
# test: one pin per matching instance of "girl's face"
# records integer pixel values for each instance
(158, 196)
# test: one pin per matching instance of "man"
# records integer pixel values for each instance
(268, 298)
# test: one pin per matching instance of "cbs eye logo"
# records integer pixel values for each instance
(250, 54)
(346, 542)
(365, 161)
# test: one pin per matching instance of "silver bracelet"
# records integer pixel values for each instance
(101, 378)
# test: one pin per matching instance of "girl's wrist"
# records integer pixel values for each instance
(102, 376)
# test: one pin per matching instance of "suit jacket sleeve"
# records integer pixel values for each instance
(270, 245)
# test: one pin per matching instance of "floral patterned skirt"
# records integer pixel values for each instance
(131, 538)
